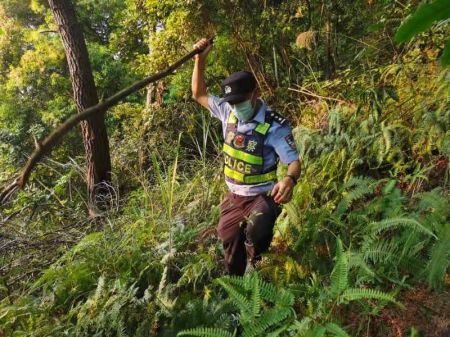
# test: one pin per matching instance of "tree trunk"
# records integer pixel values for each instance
(95, 138)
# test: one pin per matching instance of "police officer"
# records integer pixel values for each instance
(255, 139)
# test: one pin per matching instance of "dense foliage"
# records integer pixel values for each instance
(368, 226)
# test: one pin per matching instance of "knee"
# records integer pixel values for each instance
(260, 232)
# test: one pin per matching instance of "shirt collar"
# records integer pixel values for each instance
(260, 116)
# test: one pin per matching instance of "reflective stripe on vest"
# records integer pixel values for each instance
(241, 155)
(252, 159)
(253, 179)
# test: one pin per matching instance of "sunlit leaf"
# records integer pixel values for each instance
(445, 58)
(422, 19)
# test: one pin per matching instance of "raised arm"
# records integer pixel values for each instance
(199, 92)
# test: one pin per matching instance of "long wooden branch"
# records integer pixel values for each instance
(45, 146)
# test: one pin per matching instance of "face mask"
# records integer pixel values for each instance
(244, 110)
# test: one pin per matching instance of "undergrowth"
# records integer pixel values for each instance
(368, 219)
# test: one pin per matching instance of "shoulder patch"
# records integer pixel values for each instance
(275, 116)
(290, 141)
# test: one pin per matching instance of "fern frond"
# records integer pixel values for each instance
(439, 260)
(336, 330)
(256, 296)
(270, 318)
(359, 187)
(317, 331)
(334, 122)
(277, 332)
(238, 281)
(353, 294)
(362, 181)
(244, 305)
(381, 251)
(268, 292)
(302, 326)
(436, 202)
(100, 287)
(284, 298)
(163, 281)
(377, 227)
(205, 332)
(121, 329)
(339, 275)
(357, 261)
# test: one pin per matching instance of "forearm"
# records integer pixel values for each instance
(294, 169)
(198, 79)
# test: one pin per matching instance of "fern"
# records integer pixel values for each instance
(380, 251)
(198, 313)
(380, 226)
(237, 281)
(439, 260)
(317, 331)
(336, 330)
(256, 295)
(243, 304)
(284, 298)
(267, 320)
(334, 122)
(435, 202)
(277, 332)
(359, 187)
(357, 260)
(269, 292)
(205, 332)
(339, 275)
(360, 294)
(249, 295)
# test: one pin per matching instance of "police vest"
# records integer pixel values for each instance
(243, 153)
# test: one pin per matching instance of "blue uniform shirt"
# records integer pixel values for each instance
(278, 143)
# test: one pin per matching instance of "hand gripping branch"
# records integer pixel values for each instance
(45, 146)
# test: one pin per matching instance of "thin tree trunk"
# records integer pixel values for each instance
(95, 138)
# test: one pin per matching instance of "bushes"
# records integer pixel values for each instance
(149, 269)
(369, 216)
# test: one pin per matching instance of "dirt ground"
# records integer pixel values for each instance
(428, 312)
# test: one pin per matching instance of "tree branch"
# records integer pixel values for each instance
(46, 145)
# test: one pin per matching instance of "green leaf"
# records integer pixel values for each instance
(422, 19)
(445, 58)
(244, 305)
(205, 332)
(339, 275)
(269, 319)
(375, 27)
(256, 296)
(336, 330)
(353, 294)
(439, 260)
(377, 227)
(317, 331)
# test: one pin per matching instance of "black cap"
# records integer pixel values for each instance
(237, 86)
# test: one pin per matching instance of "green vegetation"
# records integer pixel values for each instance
(368, 226)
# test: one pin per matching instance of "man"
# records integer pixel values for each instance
(255, 139)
